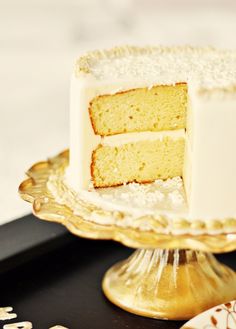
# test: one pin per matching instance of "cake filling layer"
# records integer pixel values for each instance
(121, 139)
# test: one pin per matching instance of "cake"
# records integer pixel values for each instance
(144, 114)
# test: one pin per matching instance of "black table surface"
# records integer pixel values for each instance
(62, 284)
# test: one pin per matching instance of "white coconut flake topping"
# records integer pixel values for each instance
(205, 67)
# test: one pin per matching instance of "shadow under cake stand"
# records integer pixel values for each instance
(169, 276)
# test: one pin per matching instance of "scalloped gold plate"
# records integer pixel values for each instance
(35, 190)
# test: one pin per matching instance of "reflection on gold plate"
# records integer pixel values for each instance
(172, 282)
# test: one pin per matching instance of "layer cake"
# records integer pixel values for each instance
(142, 114)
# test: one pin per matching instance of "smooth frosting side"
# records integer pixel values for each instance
(82, 138)
(210, 157)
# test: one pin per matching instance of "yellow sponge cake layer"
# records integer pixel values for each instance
(142, 109)
(142, 161)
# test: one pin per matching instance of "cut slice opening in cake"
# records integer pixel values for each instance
(143, 135)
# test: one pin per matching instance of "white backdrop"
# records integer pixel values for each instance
(39, 40)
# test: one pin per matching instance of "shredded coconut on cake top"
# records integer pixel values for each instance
(205, 67)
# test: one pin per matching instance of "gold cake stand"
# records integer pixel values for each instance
(170, 276)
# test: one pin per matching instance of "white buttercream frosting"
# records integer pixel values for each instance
(121, 139)
(210, 156)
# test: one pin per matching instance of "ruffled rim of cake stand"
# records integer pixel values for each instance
(143, 232)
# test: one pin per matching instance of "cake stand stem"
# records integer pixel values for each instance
(169, 284)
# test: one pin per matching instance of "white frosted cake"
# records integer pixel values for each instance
(144, 114)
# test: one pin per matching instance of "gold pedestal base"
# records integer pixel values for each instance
(169, 284)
